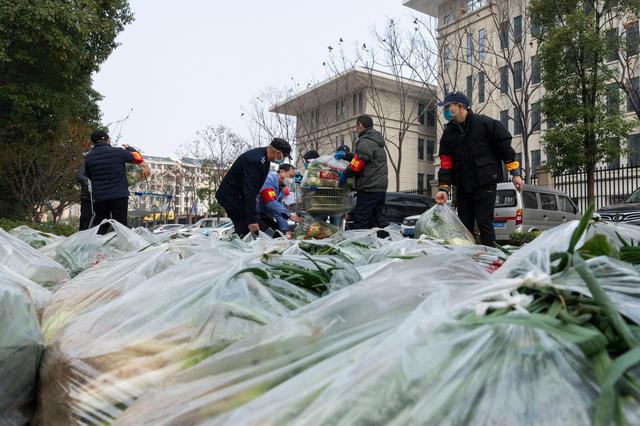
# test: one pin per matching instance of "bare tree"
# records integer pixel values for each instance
(625, 52)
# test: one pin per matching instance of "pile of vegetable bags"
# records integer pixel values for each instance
(550, 338)
(127, 324)
(87, 248)
(35, 239)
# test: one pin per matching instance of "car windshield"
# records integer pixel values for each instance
(634, 197)
(506, 198)
(224, 225)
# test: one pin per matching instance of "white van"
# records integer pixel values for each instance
(536, 208)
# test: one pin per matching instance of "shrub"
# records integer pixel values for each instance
(521, 238)
(52, 228)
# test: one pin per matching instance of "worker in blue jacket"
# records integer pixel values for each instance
(273, 213)
(242, 183)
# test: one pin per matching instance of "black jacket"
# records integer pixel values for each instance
(240, 186)
(83, 180)
(471, 154)
(105, 166)
(370, 149)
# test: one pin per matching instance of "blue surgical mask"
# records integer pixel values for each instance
(447, 114)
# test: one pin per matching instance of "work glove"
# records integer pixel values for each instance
(298, 177)
(343, 179)
(339, 155)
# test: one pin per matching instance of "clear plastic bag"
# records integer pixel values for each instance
(137, 173)
(21, 346)
(35, 239)
(37, 295)
(313, 228)
(28, 262)
(323, 172)
(440, 223)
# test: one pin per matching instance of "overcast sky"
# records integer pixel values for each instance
(184, 65)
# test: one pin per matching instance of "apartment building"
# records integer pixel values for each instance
(489, 51)
(171, 189)
(403, 111)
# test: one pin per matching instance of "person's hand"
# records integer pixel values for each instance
(518, 182)
(339, 155)
(254, 227)
(441, 197)
(289, 235)
(125, 146)
(342, 180)
(298, 177)
(296, 218)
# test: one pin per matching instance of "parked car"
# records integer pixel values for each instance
(536, 208)
(397, 207)
(408, 226)
(167, 227)
(203, 226)
(626, 212)
(224, 230)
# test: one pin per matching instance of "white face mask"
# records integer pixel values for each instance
(288, 181)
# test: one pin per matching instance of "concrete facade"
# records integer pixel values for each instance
(402, 110)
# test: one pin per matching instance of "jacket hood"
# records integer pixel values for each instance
(373, 135)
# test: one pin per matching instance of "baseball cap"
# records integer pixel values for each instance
(455, 97)
(282, 146)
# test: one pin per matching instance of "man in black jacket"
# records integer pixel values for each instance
(86, 203)
(472, 149)
(105, 167)
(239, 188)
(368, 164)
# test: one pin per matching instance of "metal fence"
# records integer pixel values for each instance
(612, 185)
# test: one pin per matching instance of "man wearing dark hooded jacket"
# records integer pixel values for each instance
(368, 164)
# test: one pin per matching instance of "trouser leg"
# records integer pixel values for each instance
(485, 201)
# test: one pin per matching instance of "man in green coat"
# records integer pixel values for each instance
(368, 164)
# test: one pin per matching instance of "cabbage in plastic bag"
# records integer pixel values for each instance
(21, 346)
(35, 239)
(37, 295)
(441, 223)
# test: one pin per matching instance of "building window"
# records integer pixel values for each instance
(420, 181)
(481, 87)
(535, 117)
(633, 101)
(535, 30)
(504, 35)
(535, 161)
(612, 44)
(633, 38)
(470, 88)
(447, 18)
(446, 58)
(469, 48)
(354, 107)
(535, 70)
(446, 89)
(420, 149)
(338, 110)
(504, 119)
(431, 148)
(360, 102)
(614, 161)
(517, 121)
(354, 137)
(482, 44)
(613, 99)
(475, 4)
(421, 114)
(634, 149)
(431, 115)
(517, 29)
(517, 75)
(519, 159)
(504, 79)
(430, 179)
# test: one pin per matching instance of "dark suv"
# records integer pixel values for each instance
(627, 212)
(399, 205)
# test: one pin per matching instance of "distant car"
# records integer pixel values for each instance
(203, 226)
(626, 212)
(167, 227)
(408, 226)
(398, 206)
(224, 230)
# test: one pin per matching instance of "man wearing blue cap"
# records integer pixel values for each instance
(472, 148)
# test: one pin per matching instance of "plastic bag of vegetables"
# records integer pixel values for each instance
(37, 295)
(323, 172)
(28, 262)
(313, 228)
(21, 346)
(35, 239)
(441, 223)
